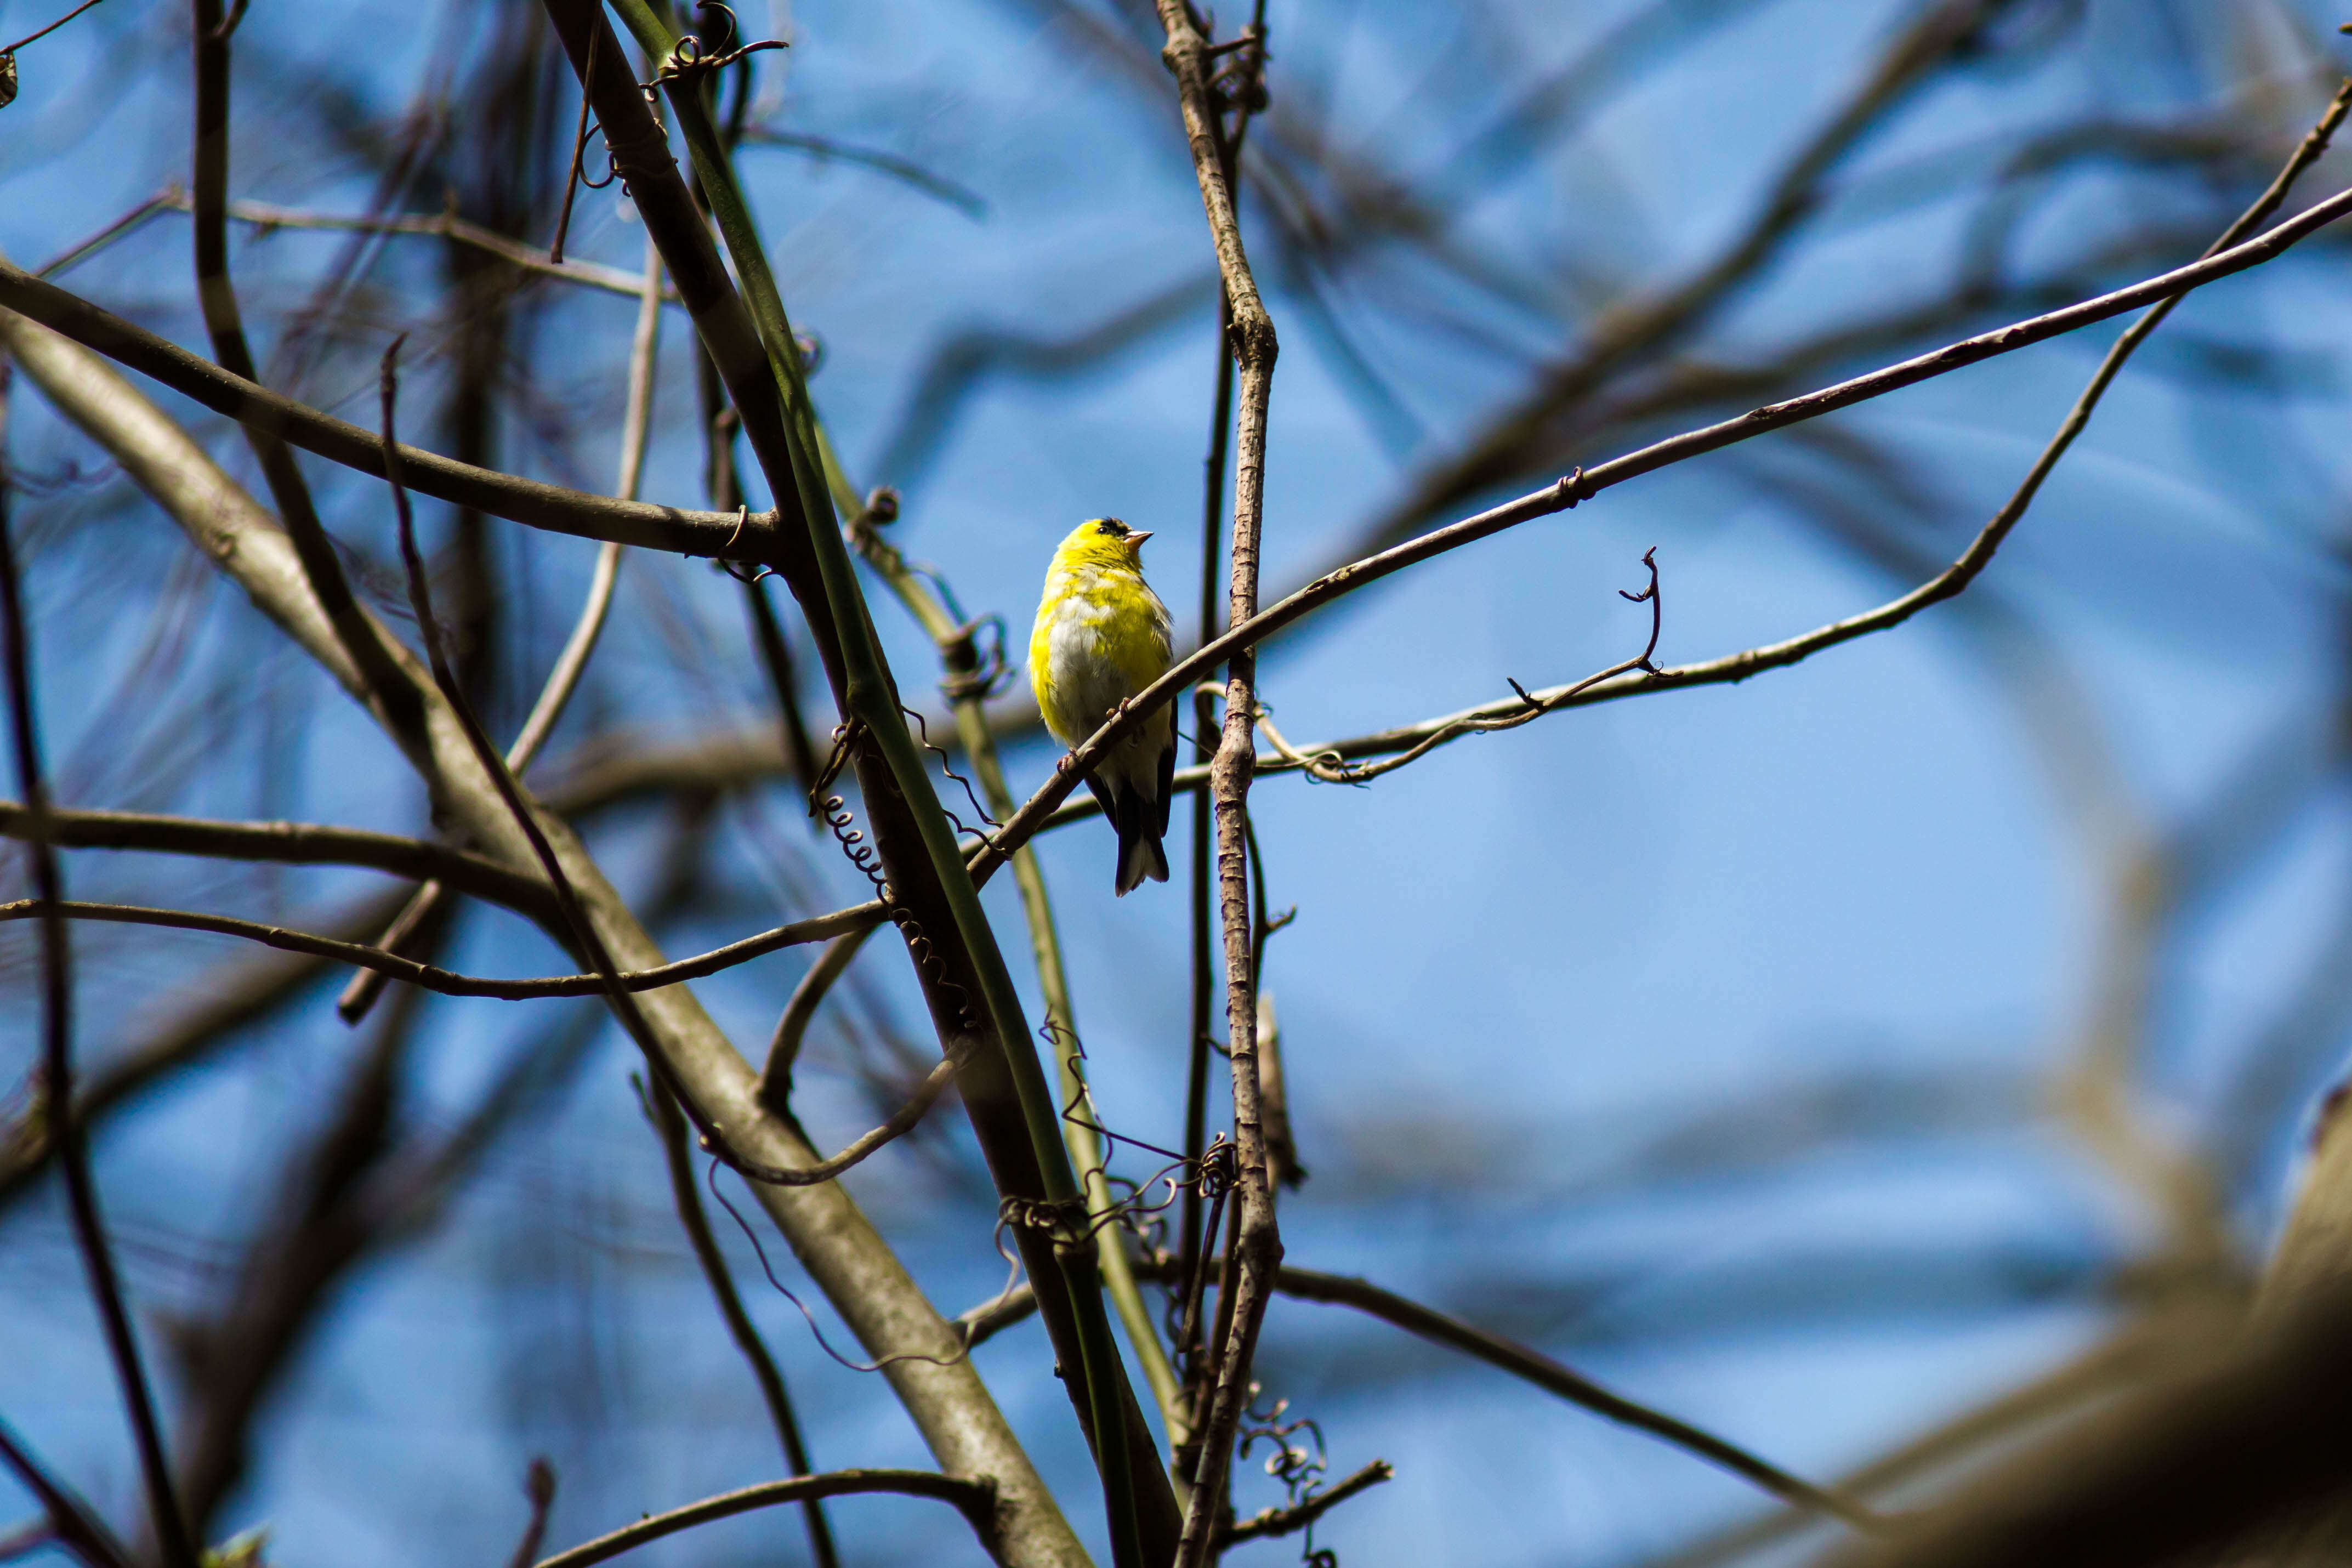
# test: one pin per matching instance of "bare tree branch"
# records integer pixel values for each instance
(195, 1024)
(76, 1529)
(992, 1317)
(973, 1498)
(25, 299)
(669, 1126)
(1584, 483)
(852, 1264)
(286, 844)
(170, 1524)
(1257, 1247)
(1267, 1523)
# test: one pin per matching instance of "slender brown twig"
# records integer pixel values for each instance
(1566, 492)
(972, 1497)
(70, 1520)
(428, 977)
(379, 672)
(1267, 1523)
(677, 1157)
(539, 1488)
(1255, 1249)
(1524, 1362)
(36, 37)
(571, 664)
(578, 151)
(528, 502)
(282, 843)
(57, 1051)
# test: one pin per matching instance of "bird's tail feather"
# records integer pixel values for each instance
(1139, 857)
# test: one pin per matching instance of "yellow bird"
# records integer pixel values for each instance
(1102, 636)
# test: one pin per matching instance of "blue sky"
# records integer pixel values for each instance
(1520, 968)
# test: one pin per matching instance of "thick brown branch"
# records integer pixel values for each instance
(2248, 1434)
(832, 1237)
(528, 502)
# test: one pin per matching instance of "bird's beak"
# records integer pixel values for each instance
(1135, 542)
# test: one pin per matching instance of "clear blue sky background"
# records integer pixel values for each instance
(1548, 996)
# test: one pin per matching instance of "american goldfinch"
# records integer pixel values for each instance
(1102, 637)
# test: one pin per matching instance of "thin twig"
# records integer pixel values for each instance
(1331, 768)
(57, 1052)
(446, 226)
(528, 502)
(578, 151)
(1521, 1361)
(1566, 492)
(285, 843)
(45, 32)
(428, 977)
(387, 685)
(563, 680)
(972, 1497)
(1267, 1523)
(75, 1527)
(800, 1009)
(1255, 1250)
(538, 1488)
(963, 198)
(170, 197)
(669, 1126)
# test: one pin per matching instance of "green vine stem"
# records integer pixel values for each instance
(1012, 1108)
(961, 658)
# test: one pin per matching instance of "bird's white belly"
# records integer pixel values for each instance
(1086, 684)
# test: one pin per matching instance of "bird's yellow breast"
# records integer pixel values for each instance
(1102, 636)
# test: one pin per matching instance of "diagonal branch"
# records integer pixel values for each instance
(527, 501)
(669, 1126)
(169, 1523)
(850, 1264)
(216, 297)
(76, 1528)
(1268, 1524)
(973, 1498)
(994, 1317)
(1565, 493)
(285, 843)
(428, 977)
